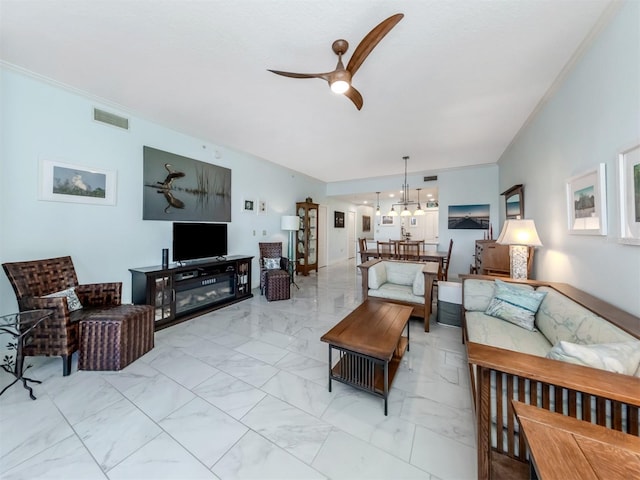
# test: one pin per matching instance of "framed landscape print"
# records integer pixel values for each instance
(386, 220)
(64, 182)
(629, 195)
(587, 203)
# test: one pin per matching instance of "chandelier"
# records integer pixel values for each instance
(405, 202)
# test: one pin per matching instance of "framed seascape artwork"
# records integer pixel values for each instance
(366, 223)
(338, 220)
(629, 199)
(469, 217)
(178, 188)
(587, 203)
(64, 182)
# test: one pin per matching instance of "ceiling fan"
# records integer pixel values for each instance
(340, 79)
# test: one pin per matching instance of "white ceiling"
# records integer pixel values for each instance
(450, 85)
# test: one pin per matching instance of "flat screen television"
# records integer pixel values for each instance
(193, 241)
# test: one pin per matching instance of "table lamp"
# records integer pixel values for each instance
(519, 235)
(292, 224)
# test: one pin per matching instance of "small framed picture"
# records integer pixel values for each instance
(413, 222)
(65, 182)
(629, 191)
(262, 207)
(587, 203)
(366, 223)
(386, 220)
(248, 205)
(338, 220)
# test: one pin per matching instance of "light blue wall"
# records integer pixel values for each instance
(469, 186)
(593, 115)
(42, 121)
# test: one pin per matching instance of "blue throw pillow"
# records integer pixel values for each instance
(515, 304)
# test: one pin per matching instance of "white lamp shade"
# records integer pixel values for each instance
(290, 222)
(519, 232)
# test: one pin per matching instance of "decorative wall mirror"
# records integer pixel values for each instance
(514, 202)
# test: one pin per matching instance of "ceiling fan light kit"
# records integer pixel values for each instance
(340, 79)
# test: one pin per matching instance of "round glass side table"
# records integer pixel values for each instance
(20, 326)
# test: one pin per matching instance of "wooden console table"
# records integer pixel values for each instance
(568, 448)
(370, 345)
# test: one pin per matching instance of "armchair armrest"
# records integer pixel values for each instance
(100, 294)
(57, 304)
(284, 263)
(431, 272)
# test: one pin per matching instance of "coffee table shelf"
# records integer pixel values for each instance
(356, 374)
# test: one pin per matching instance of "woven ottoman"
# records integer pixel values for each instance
(277, 286)
(112, 338)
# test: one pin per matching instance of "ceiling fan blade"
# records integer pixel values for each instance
(369, 42)
(354, 95)
(324, 76)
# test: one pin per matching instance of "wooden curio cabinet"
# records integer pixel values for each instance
(307, 240)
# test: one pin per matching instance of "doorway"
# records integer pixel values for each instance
(351, 234)
(322, 236)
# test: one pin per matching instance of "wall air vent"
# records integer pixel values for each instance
(432, 178)
(110, 119)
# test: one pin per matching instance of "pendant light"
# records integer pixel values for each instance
(405, 202)
(418, 212)
(378, 207)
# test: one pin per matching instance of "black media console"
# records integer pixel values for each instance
(182, 292)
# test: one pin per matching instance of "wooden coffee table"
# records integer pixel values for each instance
(370, 346)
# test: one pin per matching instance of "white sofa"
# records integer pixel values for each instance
(405, 283)
(508, 362)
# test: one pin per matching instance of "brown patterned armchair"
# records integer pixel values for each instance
(270, 250)
(58, 335)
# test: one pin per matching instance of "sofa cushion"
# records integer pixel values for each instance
(515, 304)
(477, 294)
(402, 273)
(418, 283)
(561, 319)
(392, 291)
(487, 330)
(622, 357)
(377, 275)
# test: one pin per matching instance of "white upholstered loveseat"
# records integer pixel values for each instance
(508, 362)
(402, 282)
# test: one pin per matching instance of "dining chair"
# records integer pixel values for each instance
(446, 261)
(387, 250)
(409, 250)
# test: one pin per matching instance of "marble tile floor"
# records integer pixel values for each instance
(241, 393)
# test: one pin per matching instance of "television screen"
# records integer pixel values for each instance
(192, 241)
